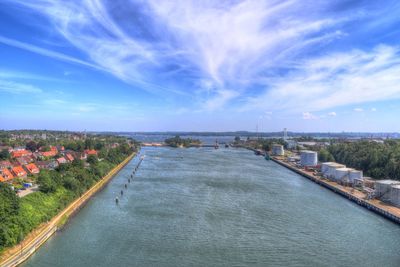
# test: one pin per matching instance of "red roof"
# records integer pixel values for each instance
(2, 179)
(32, 168)
(91, 152)
(5, 164)
(69, 157)
(49, 153)
(61, 160)
(19, 171)
(7, 174)
(20, 153)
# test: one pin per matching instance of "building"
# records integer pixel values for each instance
(7, 175)
(342, 174)
(19, 171)
(47, 164)
(5, 164)
(48, 154)
(308, 158)
(32, 168)
(329, 168)
(62, 160)
(69, 157)
(20, 153)
(90, 152)
(383, 189)
(277, 150)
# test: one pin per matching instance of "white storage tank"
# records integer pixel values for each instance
(383, 189)
(325, 167)
(330, 173)
(395, 195)
(277, 150)
(342, 174)
(308, 158)
(355, 174)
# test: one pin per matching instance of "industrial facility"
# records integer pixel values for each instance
(277, 150)
(308, 158)
(388, 191)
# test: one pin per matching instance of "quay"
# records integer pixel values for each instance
(21, 252)
(389, 212)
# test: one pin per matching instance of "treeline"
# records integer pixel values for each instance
(377, 160)
(57, 188)
(177, 141)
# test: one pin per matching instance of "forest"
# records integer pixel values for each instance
(377, 160)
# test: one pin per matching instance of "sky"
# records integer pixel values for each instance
(157, 65)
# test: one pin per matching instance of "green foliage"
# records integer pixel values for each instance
(32, 146)
(325, 156)
(177, 141)
(377, 160)
(4, 154)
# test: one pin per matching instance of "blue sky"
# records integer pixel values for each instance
(200, 65)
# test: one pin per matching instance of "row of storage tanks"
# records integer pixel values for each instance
(339, 172)
(389, 191)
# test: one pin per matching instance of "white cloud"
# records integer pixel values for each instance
(333, 80)
(18, 88)
(358, 109)
(373, 109)
(332, 114)
(309, 116)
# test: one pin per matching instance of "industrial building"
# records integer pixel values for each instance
(330, 169)
(395, 195)
(277, 150)
(342, 174)
(308, 158)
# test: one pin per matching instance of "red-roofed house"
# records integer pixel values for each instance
(24, 160)
(5, 164)
(61, 160)
(2, 179)
(69, 157)
(51, 153)
(90, 152)
(32, 168)
(7, 175)
(20, 153)
(19, 171)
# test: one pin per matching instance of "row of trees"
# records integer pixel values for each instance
(378, 160)
(57, 188)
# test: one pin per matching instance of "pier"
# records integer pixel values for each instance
(389, 212)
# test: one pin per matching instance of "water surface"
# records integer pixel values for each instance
(225, 207)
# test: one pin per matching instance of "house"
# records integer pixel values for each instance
(5, 164)
(47, 164)
(20, 153)
(7, 175)
(62, 160)
(32, 168)
(19, 171)
(2, 179)
(48, 154)
(24, 160)
(69, 157)
(90, 152)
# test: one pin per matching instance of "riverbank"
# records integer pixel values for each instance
(19, 253)
(389, 212)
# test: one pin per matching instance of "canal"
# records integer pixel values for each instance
(224, 207)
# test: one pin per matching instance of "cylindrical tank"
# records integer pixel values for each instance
(355, 174)
(330, 173)
(395, 195)
(383, 189)
(277, 150)
(308, 158)
(325, 167)
(342, 174)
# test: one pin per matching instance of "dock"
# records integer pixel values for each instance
(387, 211)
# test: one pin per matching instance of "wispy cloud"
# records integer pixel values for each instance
(235, 46)
(358, 109)
(18, 88)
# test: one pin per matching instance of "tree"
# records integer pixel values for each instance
(4, 154)
(46, 184)
(325, 156)
(32, 146)
(92, 159)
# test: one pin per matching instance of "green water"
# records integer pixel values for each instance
(225, 207)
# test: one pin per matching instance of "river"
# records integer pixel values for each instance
(224, 207)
